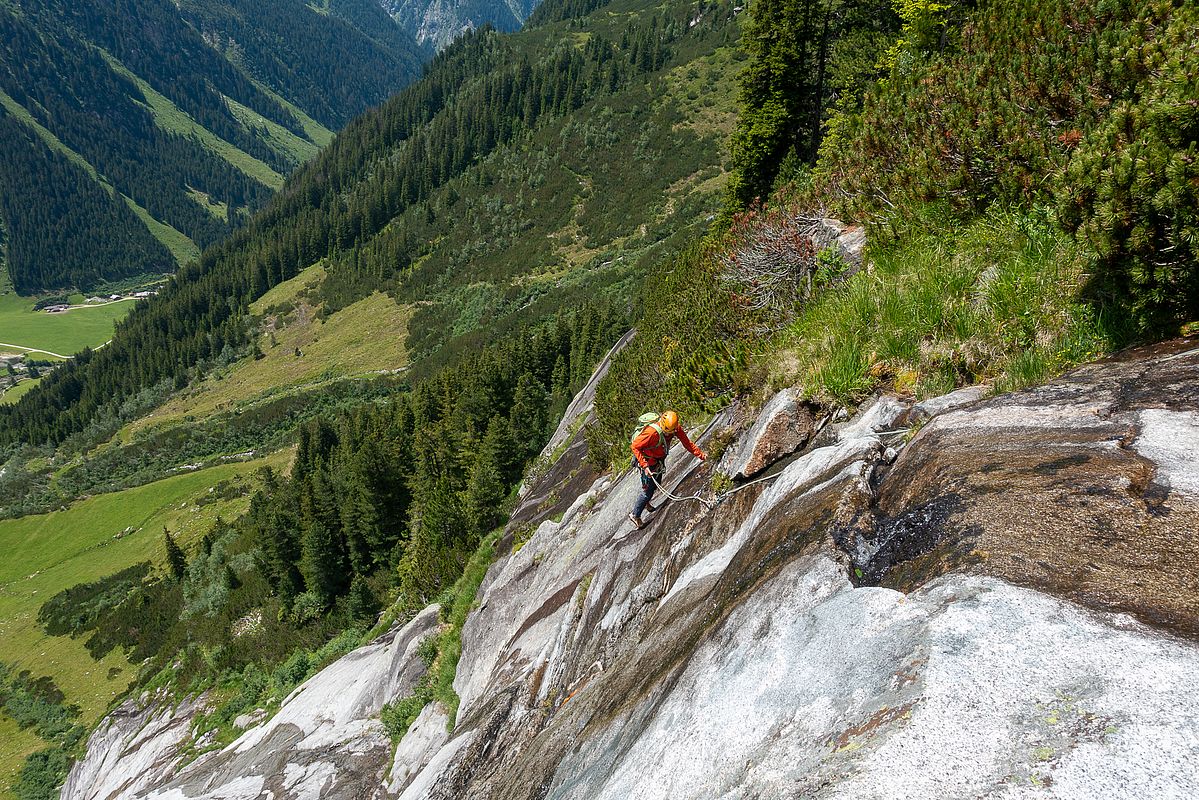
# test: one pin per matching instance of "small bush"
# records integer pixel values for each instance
(78, 608)
(308, 607)
(42, 774)
(689, 352)
(35, 703)
(291, 672)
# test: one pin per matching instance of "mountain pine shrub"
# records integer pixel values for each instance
(690, 352)
(1131, 188)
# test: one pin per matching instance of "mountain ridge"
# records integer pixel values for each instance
(129, 93)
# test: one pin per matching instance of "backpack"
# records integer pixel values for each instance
(648, 418)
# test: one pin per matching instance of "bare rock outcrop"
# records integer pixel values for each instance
(136, 747)
(325, 741)
(750, 650)
(784, 425)
(1084, 488)
(1003, 603)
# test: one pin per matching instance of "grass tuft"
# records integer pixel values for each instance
(993, 301)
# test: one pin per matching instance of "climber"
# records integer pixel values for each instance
(650, 446)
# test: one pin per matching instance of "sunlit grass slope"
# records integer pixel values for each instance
(994, 301)
(297, 348)
(48, 553)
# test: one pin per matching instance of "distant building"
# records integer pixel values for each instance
(144, 294)
(56, 308)
(95, 300)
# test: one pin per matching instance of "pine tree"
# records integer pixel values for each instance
(176, 560)
(441, 542)
(786, 87)
(322, 561)
(360, 517)
(528, 416)
(363, 605)
(487, 487)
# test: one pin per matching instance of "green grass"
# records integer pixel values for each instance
(312, 129)
(993, 300)
(287, 294)
(704, 90)
(180, 246)
(172, 118)
(63, 334)
(15, 393)
(279, 138)
(47, 553)
(217, 208)
(15, 745)
(368, 336)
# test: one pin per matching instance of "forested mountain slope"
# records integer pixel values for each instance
(171, 119)
(438, 197)
(496, 217)
(501, 211)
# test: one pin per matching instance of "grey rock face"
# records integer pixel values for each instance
(935, 406)
(325, 741)
(1004, 606)
(424, 740)
(743, 652)
(439, 22)
(967, 687)
(134, 748)
(783, 426)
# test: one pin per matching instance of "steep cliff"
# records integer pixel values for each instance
(963, 597)
(438, 22)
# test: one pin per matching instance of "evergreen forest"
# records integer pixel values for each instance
(185, 114)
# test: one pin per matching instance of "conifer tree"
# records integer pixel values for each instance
(322, 561)
(441, 542)
(360, 518)
(176, 560)
(487, 487)
(787, 85)
(363, 605)
(528, 415)
(279, 542)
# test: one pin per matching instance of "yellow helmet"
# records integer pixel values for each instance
(669, 421)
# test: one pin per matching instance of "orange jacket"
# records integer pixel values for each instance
(649, 448)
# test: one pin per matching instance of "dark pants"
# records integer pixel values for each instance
(648, 487)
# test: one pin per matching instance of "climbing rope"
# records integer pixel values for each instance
(717, 498)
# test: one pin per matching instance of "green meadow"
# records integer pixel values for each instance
(14, 393)
(65, 333)
(47, 553)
